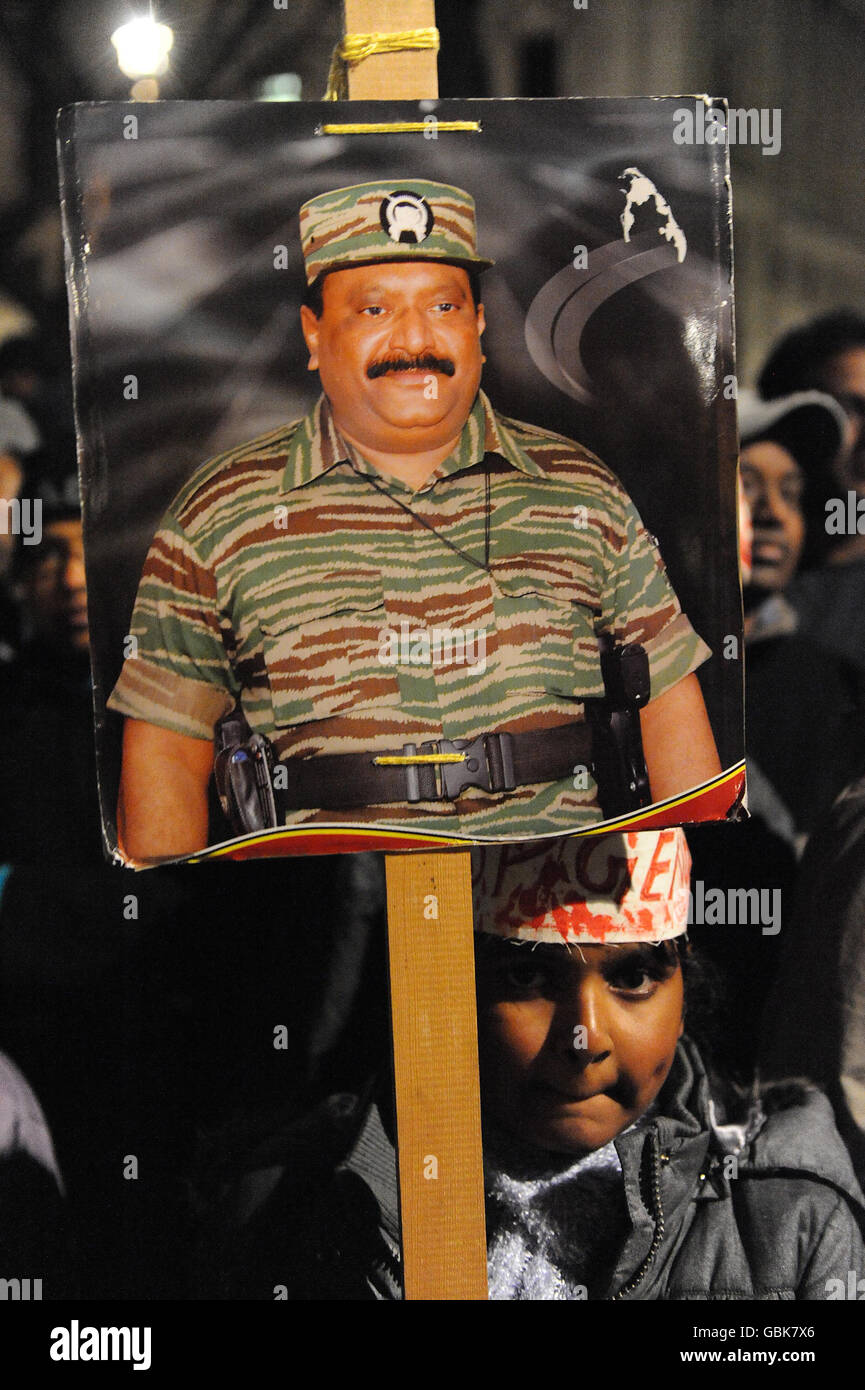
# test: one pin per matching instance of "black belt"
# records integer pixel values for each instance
(493, 762)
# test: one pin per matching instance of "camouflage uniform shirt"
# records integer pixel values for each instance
(287, 576)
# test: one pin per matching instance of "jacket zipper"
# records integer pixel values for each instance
(658, 1214)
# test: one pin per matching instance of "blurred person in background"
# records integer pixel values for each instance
(38, 390)
(71, 982)
(19, 433)
(828, 354)
(814, 1021)
(803, 709)
(804, 730)
(46, 703)
(158, 1038)
(33, 1226)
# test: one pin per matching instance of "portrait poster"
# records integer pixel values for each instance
(493, 653)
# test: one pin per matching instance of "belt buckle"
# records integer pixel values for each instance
(487, 764)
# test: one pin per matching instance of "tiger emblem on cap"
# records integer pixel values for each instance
(406, 217)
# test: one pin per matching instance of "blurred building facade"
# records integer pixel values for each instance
(799, 212)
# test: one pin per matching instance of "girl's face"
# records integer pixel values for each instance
(575, 1042)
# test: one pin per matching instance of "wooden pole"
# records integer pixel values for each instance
(407, 76)
(429, 911)
(431, 952)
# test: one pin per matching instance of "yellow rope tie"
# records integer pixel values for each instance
(399, 127)
(400, 761)
(355, 47)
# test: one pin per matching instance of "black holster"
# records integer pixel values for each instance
(243, 772)
(617, 743)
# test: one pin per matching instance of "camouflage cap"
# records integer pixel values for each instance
(604, 890)
(407, 220)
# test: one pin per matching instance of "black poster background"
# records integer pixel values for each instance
(171, 241)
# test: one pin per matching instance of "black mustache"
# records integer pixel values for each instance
(427, 363)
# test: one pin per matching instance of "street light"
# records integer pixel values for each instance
(142, 47)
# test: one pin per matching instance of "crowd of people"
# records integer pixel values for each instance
(175, 1152)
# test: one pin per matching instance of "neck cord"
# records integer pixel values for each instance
(464, 554)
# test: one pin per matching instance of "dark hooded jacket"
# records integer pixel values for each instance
(765, 1210)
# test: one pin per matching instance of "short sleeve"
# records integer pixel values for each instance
(178, 675)
(639, 604)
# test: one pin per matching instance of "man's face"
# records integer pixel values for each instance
(843, 376)
(773, 484)
(575, 1043)
(398, 351)
(54, 589)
